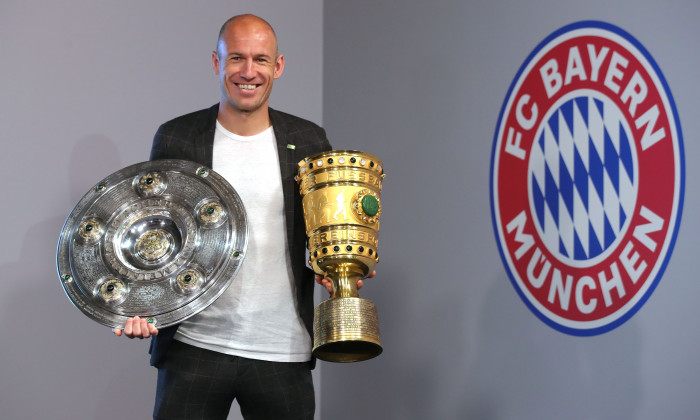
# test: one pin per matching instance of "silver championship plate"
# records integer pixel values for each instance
(160, 239)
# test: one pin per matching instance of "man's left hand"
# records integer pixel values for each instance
(326, 282)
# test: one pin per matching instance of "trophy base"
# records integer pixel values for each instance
(346, 329)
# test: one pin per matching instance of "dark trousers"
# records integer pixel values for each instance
(195, 383)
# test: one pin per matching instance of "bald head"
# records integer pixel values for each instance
(247, 22)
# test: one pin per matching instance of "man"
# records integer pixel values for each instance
(254, 343)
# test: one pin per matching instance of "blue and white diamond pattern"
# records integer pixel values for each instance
(582, 182)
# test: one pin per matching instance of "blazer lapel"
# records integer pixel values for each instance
(204, 139)
(287, 160)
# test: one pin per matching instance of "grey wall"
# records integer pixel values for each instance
(84, 86)
(421, 84)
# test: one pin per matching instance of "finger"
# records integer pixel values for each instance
(152, 329)
(136, 327)
(328, 285)
(145, 331)
(129, 328)
(318, 279)
(373, 274)
(360, 284)
(117, 331)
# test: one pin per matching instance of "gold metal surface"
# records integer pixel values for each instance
(90, 230)
(153, 244)
(189, 280)
(341, 198)
(112, 290)
(211, 213)
(150, 184)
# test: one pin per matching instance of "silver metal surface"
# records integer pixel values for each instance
(160, 239)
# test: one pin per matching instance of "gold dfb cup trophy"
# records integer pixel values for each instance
(340, 193)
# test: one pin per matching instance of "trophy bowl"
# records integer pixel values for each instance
(160, 239)
(341, 199)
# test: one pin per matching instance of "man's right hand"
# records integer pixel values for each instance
(136, 328)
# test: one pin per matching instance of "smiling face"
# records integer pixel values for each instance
(247, 63)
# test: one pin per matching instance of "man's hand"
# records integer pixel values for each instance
(137, 328)
(326, 282)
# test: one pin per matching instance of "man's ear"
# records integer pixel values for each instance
(279, 66)
(215, 62)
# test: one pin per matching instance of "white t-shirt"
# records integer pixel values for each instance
(256, 317)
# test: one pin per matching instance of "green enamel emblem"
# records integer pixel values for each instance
(370, 205)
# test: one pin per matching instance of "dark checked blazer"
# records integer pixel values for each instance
(191, 137)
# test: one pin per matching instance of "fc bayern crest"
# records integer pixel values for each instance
(587, 178)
